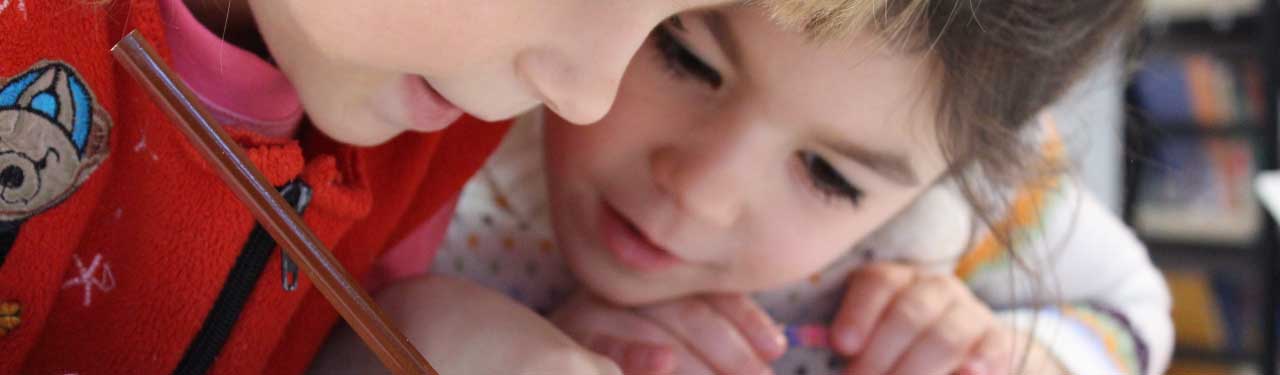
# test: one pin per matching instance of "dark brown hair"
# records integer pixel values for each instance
(1000, 61)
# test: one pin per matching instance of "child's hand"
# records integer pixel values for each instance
(465, 328)
(899, 319)
(723, 334)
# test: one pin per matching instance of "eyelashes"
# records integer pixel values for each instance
(682, 62)
(827, 180)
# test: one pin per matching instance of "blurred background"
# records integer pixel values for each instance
(1174, 144)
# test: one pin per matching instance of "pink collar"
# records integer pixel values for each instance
(239, 88)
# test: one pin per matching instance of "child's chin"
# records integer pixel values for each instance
(627, 298)
(371, 133)
(615, 289)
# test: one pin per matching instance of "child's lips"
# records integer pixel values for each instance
(428, 111)
(630, 246)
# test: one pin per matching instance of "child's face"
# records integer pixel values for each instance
(368, 70)
(740, 157)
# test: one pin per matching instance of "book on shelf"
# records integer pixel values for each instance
(1213, 312)
(1200, 89)
(1198, 188)
(1201, 367)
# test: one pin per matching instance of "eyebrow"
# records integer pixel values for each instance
(891, 166)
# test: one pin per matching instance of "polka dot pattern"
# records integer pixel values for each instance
(501, 237)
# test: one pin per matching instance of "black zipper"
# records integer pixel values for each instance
(239, 284)
(8, 235)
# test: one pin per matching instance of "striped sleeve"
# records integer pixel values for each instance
(1072, 272)
(1085, 339)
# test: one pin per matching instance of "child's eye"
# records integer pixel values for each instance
(827, 180)
(682, 62)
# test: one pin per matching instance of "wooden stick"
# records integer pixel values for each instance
(275, 214)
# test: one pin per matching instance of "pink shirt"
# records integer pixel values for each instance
(244, 91)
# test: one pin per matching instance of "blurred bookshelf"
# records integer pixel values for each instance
(1159, 11)
(1175, 254)
(1201, 123)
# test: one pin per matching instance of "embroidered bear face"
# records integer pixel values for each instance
(52, 137)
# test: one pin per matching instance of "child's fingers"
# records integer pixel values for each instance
(752, 322)
(709, 335)
(689, 364)
(635, 343)
(943, 347)
(913, 310)
(635, 357)
(871, 289)
(992, 355)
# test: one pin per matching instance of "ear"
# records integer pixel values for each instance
(96, 142)
(14, 88)
(97, 136)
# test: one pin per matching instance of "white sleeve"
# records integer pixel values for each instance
(1086, 284)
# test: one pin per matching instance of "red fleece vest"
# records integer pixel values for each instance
(128, 255)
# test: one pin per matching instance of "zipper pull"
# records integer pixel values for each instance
(298, 194)
(289, 273)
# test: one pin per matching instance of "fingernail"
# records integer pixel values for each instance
(848, 341)
(773, 344)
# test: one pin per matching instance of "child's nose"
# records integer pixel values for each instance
(578, 77)
(579, 94)
(710, 180)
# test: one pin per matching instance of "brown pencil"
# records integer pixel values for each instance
(271, 210)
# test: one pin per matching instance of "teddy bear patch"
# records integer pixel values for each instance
(53, 135)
